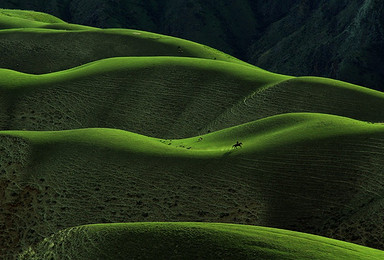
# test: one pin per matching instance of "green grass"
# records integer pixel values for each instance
(47, 44)
(286, 175)
(311, 159)
(18, 19)
(192, 241)
(260, 135)
(115, 91)
(48, 50)
(171, 97)
(29, 16)
(21, 19)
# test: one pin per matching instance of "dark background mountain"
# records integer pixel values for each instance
(340, 39)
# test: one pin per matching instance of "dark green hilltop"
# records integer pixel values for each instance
(126, 144)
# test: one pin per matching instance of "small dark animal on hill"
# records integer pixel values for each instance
(237, 144)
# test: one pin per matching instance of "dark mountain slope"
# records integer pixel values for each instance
(341, 39)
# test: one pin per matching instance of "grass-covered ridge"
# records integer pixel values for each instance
(171, 97)
(29, 16)
(146, 95)
(192, 241)
(286, 175)
(47, 50)
(260, 135)
(47, 44)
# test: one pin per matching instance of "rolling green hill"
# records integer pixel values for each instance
(116, 126)
(28, 16)
(192, 241)
(340, 39)
(54, 47)
(17, 19)
(171, 97)
(313, 173)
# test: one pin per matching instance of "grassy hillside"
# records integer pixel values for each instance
(116, 126)
(41, 51)
(171, 97)
(165, 97)
(340, 39)
(304, 94)
(314, 173)
(192, 241)
(14, 19)
(29, 16)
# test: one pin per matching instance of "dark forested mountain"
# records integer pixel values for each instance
(341, 39)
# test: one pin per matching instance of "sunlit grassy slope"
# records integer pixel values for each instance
(314, 173)
(171, 97)
(22, 19)
(319, 172)
(192, 241)
(26, 18)
(34, 46)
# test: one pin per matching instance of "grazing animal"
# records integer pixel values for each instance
(237, 144)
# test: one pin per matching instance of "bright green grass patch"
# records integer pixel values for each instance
(257, 136)
(16, 19)
(8, 22)
(192, 241)
(30, 16)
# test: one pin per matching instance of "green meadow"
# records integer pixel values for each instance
(192, 240)
(118, 144)
(171, 97)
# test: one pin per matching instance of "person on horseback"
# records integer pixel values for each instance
(237, 144)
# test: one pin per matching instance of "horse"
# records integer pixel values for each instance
(237, 144)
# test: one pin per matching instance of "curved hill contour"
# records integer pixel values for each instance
(313, 173)
(41, 51)
(192, 241)
(28, 16)
(165, 97)
(171, 97)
